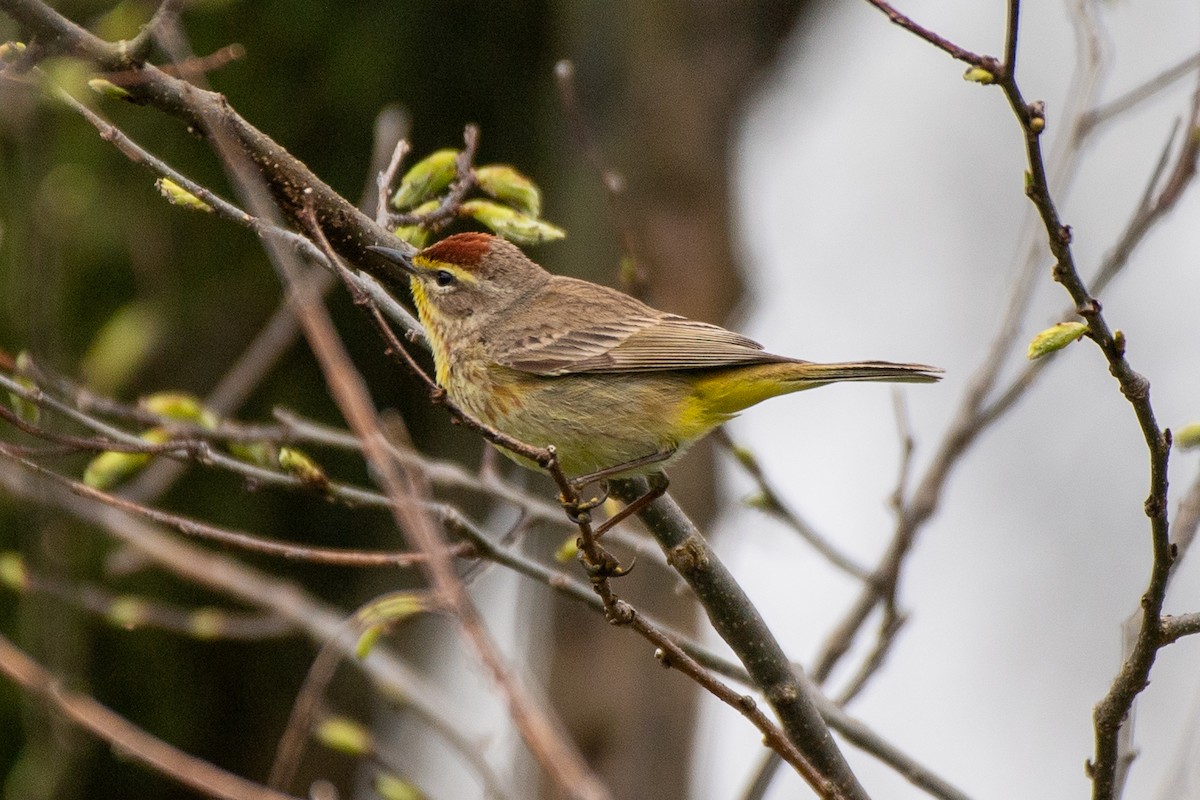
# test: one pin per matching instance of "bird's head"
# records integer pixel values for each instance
(467, 275)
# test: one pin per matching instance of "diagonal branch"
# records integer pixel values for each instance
(122, 735)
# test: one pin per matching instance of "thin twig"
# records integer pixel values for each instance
(1132, 98)
(224, 536)
(228, 577)
(940, 42)
(1114, 708)
(125, 737)
(770, 501)
(633, 275)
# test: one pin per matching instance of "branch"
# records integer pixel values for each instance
(292, 185)
(738, 622)
(226, 576)
(962, 54)
(128, 739)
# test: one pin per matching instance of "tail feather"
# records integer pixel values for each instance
(810, 372)
(723, 393)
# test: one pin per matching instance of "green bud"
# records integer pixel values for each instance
(428, 177)
(511, 187)
(392, 787)
(127, 612)
(379, 616)
(122, 21)
(111, 467)
(417, 235)
(393, 607)
(25, 409)
(108, 89)
(1188, 436)
(12, 572)
(367, 640)
(69, 74)
(568, 551)
(261, 454)
(345, 736)
(207, 623)
(120, 347)
(10, 50)
(180, 406)
(760, 500)
(745, 457)
(1055, 338)
(178, 196)
(299, 464)
(979, 75)
(512, 225)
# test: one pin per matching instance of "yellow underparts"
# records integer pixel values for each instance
(718, 396)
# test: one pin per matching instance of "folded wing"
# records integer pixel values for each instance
(615, 333)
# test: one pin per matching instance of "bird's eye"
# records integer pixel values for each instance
(444, 278)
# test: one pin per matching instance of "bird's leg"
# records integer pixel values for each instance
(580, 511)
(575, 509)
(658, 487)
(617, 469)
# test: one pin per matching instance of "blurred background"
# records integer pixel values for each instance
(803, 171)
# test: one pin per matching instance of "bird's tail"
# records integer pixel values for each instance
(817, 374)
(723, 393)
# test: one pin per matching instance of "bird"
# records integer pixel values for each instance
(619, 388)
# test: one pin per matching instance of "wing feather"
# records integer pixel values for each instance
(613, 332)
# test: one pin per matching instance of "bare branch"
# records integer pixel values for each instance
(133, 742)
(962, 54)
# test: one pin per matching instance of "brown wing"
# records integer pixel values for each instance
(612, 332)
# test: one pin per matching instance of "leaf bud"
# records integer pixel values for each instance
(568, 551)
(417, 235)
(510, 224)
(979, 75)
(261, 454)
(180, 406)
(112, 467)
(1037, 116)
(1188, 437)
(427, 178)
(127, 612)
(10, 50)
(297, 463)
(108, 89)
(345, 736)
(392, 787)
(121, 347)
(511, 187)
(1055, 338)
(12, 571)
(178, 196)
(27, 410)
(206, 623)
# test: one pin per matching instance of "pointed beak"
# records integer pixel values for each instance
(400, 258)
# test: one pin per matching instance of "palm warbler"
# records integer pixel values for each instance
(619, 388)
